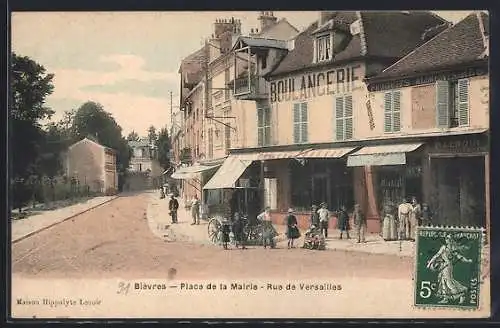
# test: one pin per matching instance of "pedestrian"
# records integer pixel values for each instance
(238, 230)
(343, 221)
(404, 227)
(360, 223)
(426, 215)
(162, 194)
(173, 206)
(389, 228)
(324, 217)
(268, 231)
(226, 230)
(314, 216)
(415, 216)
(292, 231)
(195, 210)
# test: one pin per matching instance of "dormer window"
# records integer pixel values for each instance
(323, 48)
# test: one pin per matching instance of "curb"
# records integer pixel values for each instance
(58, 222)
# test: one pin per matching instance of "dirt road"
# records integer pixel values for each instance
(115, 241)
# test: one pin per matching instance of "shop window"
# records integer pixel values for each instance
(300, 133)
(323, 46)
(264, 125)
(392, 111)
(343, 118)
(300, 185)
(452, 99)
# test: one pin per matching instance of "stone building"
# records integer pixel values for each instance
(93, 165)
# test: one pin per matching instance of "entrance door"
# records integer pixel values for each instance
(320, 186)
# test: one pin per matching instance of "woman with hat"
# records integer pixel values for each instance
(292, 231)
(314, 216)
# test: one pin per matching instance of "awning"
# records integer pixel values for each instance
(326, 153)
(230, 171)
(382, 155)
(277, 155)
(191, 172)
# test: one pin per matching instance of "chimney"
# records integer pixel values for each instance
(267, 19)
(324, 16)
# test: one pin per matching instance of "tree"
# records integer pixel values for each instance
(30, 85)
(133, 136)
(92, 120)
(163, 145)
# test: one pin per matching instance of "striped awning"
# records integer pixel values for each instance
(265, 156)
(394, 154)
(230, 171)
(326, 153)
(191, 172)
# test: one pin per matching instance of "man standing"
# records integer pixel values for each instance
(360, 222)
(415, 216)
(173, 206)
(404, 210)
(195, 210)
(324, 217)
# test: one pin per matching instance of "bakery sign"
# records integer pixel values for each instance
(462, 145)
(310, 85)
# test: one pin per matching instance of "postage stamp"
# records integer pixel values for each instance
(448, 267)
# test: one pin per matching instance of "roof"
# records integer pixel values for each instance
(388, 35)
(139, 143)
(270, 28)
(88, 139)
(261, 42)
(191, 67)
(459, 44)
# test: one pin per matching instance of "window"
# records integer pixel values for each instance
(452, 106)
(263, 125)
(392, 111)
(300, 123)
(323, 48)
(343, 118)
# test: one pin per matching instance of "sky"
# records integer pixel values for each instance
(126, 61)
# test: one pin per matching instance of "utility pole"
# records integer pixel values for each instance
(171, 113)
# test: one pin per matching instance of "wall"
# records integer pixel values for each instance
(418, 109)
(193, 128)
(85, 161)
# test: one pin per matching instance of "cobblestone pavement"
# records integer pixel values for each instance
(116, 240)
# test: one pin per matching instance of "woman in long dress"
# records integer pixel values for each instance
(389, 227)
(443, 262)
(292, 231)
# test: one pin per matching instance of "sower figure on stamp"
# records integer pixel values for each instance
(324, 217)
(443, 262)
(195, 210)
(404, 210)
(343, 221)
(360, 223)
(173, 206)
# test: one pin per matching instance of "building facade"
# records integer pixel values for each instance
(93, 165)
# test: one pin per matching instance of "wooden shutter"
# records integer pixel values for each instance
(463, 102)
(339, 118)
(396, 111)
(304, 122)
(388, 112)
(296, 123)
(348, 118)
(260, 136)
(442, 104)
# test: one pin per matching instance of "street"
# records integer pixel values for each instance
(114, 240)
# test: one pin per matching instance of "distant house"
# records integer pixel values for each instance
(93, 165)
(144, 167)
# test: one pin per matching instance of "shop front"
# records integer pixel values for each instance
(385, 175)
(459, 180)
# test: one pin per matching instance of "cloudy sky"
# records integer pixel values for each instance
(127, 61)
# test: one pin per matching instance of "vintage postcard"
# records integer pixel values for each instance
(266, 164)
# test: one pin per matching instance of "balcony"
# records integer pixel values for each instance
(249, 88)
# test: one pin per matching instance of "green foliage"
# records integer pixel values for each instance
(163, 145)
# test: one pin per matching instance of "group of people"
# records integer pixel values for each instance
(173, 208)
(402, 224)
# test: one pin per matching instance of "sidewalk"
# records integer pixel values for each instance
(40, 220)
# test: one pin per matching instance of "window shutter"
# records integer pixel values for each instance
(443, 104)
(339, 115)
(303, 111)
(396, 111)
(267, 119)
(463, 102)
(260, 117)
(260, 136)
(304, 132)
(267, 135)
(348, 128)
(348, 106)
(388, 112)
(296, 124)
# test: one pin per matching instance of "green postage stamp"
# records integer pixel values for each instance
(448, 267)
